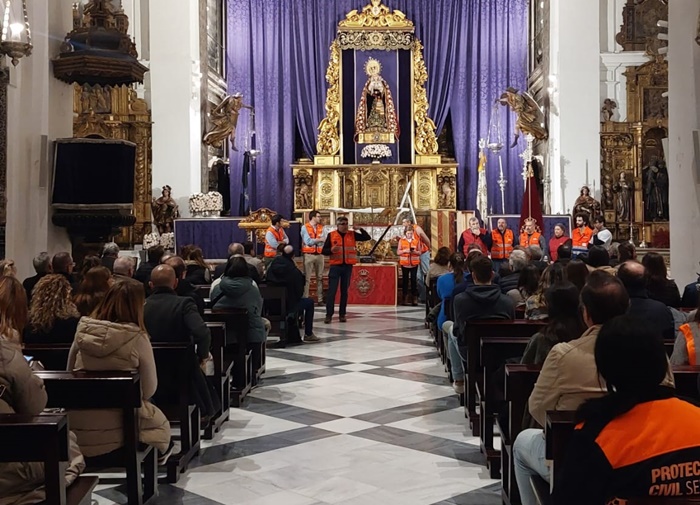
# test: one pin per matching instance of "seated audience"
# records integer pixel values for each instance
(598, 258)
(686, 349)
(8, 268)
(660, 287)
(446, 284)
(601, 235)
(629, 441)
(143, 272)
(115, 338)
(62, 263)
(252, 259)
(198, 272)
(576, 273)
(92, 289)
(24, 393)
(172, 318)
(564, 253)
(53, 317)
(516, 263)
(563, 325)
(690, 294)
(13, 311)
(536, 305)
(283, 272)
(558, 240)
(568, 377)
(482, 301)
(614, 251)
(237, 291)
(184, 287)
(235, 249)
(626, 251)
(657, 315)
(528, 280)
(110, 253)
(86, 264)
(42, 267)
(536, 257)
(439, 266)
(468, 281)
(123, 268)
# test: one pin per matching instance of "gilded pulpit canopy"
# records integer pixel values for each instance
(376, 113)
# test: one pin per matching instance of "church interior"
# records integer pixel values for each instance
(140, 135)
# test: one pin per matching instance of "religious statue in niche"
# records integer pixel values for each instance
(349, 194)
(165, 211)
(623, 201)
(224, 120)
(530, 118)
(303, 191)
(446, 185)
(586, 205)
(608, 109)
(655, 183)
(376, 119)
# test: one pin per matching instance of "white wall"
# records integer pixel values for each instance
(575, 117)
(177, 132)
(684, 118)
(38, 104)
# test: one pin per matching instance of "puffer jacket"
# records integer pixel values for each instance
(241, 293)
(24, 393)
(106, 346)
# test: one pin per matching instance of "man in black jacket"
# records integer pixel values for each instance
(172, 318)
(143, 272)
(655, 313)
(184, 288)
(42, 267)
(236, 249)
(284, 272)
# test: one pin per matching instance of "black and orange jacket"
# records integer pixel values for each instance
(652, 450)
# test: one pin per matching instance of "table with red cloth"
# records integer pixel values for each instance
(372, 284)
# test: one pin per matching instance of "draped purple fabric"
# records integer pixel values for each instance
(277, 57)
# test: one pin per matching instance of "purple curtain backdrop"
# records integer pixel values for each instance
(277, 57)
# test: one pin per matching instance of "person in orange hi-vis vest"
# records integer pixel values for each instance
(409, 259)
(424, 246)
(502, 244)
(312, 241)
(530, 236)
(274, 236)
(581, 235)
(340, 246)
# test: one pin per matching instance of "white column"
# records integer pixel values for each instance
(684, 153)
(575, 117)
(175, 100)
(38, 106)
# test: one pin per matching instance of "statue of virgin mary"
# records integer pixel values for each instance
(377, 119)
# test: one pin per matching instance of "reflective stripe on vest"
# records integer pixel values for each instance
(502, 244)
(271, 252)
(406, 259)
(314, 234)
(347, 253)
(689, 343)
(533, 239)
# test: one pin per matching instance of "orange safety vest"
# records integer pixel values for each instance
(314, 234)
(410, 259)
(422, 246)
(527, 240)
(271, 252)
(502, 244)
(581, 238)
(690, 344)
(347, 253)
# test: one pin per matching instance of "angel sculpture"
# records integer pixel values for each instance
(530, 118)
(225, 119)
(608, 109)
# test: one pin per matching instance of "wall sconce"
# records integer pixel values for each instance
(16, 39)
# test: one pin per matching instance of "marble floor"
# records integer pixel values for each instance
(365, 417)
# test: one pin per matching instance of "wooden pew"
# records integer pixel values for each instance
(222, 378)
(475, 330)
(110, 390)
(519, 382)
(203, 290)
(51, 356)
(44, 439)
(494, 353)
(275, 307)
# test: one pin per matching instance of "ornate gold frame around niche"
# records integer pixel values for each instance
(376, 26)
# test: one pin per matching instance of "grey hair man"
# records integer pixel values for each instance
(42, 267)
(110, 252)
(124, 267)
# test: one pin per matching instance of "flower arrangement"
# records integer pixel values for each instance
(376, 152)
(167, 240)
(205, 205)
(150, 240)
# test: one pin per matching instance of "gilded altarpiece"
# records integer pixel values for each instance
(116, 112)
(376, 35)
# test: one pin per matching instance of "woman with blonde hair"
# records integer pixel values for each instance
(13, 310)
(114, 338)
(53, 317)
(92, 289)
(7, 267)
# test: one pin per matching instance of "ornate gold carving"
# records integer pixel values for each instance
(424, 189)
(425, 140)
(329, 137)
(639, 30)
(375, 187)
(366, 40)
(303, 191)
(375, 15)
(259, 221)
(446, 189)
(326, 189)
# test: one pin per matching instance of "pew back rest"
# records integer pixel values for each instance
(235, 322)
(512, 328)
(92, 390)
(51, 356)
(519, 382)
(42, 438)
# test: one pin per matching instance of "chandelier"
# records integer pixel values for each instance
(494, 142)
(16, 38)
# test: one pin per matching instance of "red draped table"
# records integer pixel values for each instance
(372, 284)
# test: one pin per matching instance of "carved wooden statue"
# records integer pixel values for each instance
(530, 118)
(165, 211)
(623, 201)
(586, 205)
(224, 120)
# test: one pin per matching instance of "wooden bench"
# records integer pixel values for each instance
(475, 330)
(221, 378)
(519, 382)
(494, 353)
(51, 356)
(202, 290)
(110, 390)
(275, 307)
(44, 439)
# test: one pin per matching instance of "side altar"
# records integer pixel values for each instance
(376, 109)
